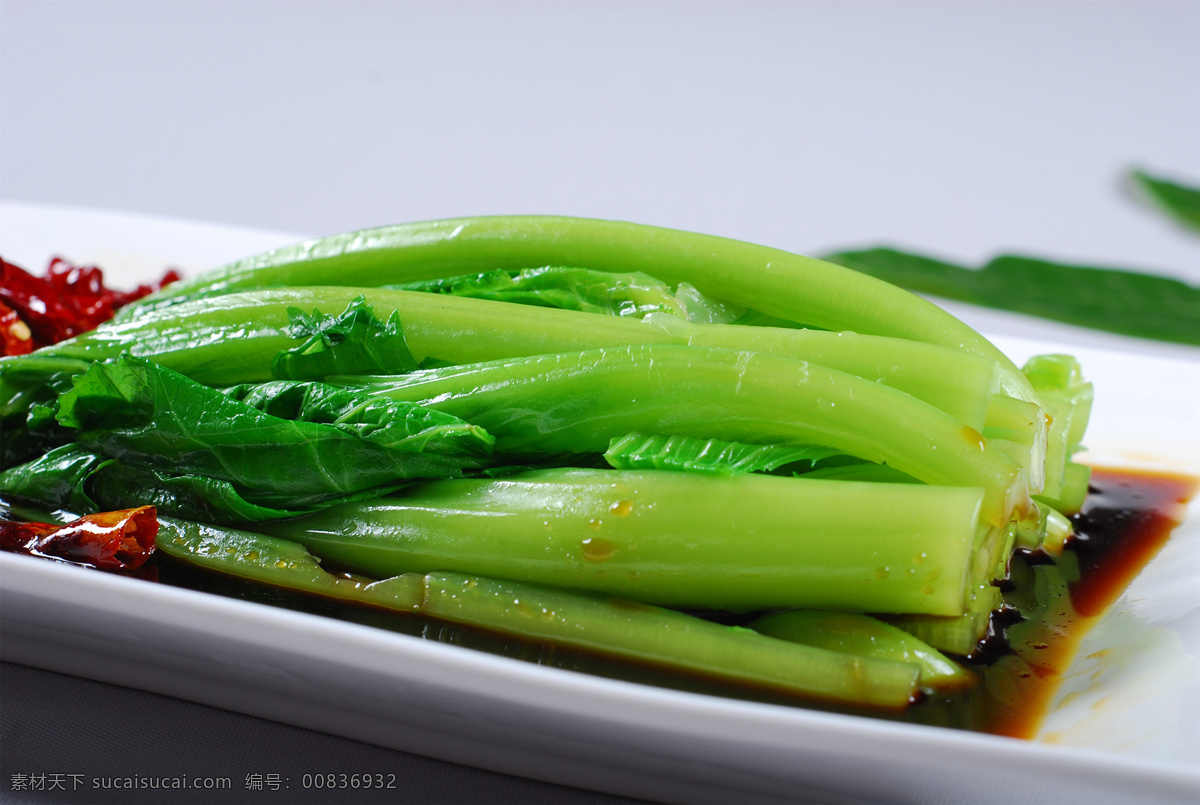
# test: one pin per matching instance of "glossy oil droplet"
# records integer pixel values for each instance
(596, 549)
(973, 436)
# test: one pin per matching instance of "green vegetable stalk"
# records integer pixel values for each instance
(743, 542)
(615, 628)
(777, 283)
(580, 401)
(671, 639)
(209, 341)
(865, 636)
(280, 563)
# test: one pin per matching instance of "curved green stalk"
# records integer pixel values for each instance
(960, 634)
(210, 340)
(580, 401)
(775, 282)
(865, 636)
(615, 628)
(281, 563)
(677, 539)
(1067, 400)
(662, 637)
(962, 384)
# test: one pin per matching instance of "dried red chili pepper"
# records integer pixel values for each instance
(15, 335)
(68, 301)
(119, 540)
(37, 303)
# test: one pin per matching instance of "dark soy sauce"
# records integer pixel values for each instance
(1050, 605)
(1126, 520)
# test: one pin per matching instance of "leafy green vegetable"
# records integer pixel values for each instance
(637, 451)
(944, 439)
(28, 384)
(773, 282)
(1067, 400)
(76, 479)
(392, 425)
(861, 471)
(1178, 200)
(56, 480)
(210, 341)
(355, 342)
(144, 414)
(118, 485)
(958, 634)
(1126, 302)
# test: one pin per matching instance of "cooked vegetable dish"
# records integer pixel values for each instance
(591, 434)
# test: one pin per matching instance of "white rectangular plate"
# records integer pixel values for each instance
(1125, 728)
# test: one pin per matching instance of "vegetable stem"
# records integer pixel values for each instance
(581, 401)
(662, 637)
(775, 282)
(677, 539)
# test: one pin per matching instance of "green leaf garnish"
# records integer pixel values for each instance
(1115, 300)
(1179, 201)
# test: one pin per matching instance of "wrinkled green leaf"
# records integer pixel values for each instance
(354, 342)
(637, 451)
(1179, 201)
(123, 486)
(29, 379)
(634, 294)
(76, 479)
(28, 383)
(146, 415)
(1126, 302)
(56, 479)
(385, 422)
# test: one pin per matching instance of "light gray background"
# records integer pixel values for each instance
(960, 128)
